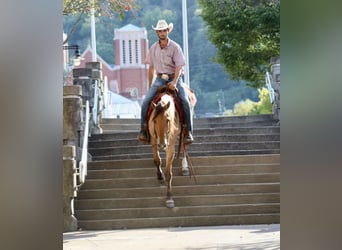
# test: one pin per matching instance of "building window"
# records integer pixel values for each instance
(124, 52)
(136, 52)
(130, 51)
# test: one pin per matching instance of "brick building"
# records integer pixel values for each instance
(129, 75)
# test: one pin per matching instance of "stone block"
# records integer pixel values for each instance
(94, 65)
(72, 90)
(96, 74)
(82, 72)
(69, 178)
(72, 117)
(69, 220)
(87, 87)
(69, 152)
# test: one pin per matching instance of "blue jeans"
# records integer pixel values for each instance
(183, 95)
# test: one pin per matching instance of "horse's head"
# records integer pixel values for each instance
(162, 119)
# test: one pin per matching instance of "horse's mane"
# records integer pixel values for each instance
(159, 109)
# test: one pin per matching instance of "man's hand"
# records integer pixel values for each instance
(172, 85)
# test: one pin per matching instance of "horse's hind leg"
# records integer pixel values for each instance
(185, 167)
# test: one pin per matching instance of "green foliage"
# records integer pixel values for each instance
(101, 7)
(246, 34)
(207, 78)
(249, 107)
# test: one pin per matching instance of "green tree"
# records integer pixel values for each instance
(246, 34)
(109, 8)
(264, 106)
(249, 107)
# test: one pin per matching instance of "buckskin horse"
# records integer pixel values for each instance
(164, 128)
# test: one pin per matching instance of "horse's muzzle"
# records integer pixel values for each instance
(162, 146)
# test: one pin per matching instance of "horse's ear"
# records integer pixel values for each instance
(153, 105)
(167, 106)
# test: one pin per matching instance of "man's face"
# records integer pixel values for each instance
(162, 34)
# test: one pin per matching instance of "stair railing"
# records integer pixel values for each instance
(84, 157)
(95, 107)
(269, 87)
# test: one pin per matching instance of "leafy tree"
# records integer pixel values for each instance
(264, 106)
(101, 7)
(249, 107)
(246, 34)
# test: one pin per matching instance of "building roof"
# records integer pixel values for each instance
(129, 27)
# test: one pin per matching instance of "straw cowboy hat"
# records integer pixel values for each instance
(162, 25)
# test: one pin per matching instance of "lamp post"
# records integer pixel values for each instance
(76, 59)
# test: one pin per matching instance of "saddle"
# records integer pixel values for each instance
(162, 90)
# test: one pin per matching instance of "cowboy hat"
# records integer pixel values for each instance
(162, 25)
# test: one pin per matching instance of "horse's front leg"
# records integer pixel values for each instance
(168, 177)
(157, 163)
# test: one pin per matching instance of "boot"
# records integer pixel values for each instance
(144, 135)
(188, 139)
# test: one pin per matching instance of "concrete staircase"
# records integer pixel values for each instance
(236, 161)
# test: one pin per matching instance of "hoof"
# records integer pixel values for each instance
(162, 182)
(170, 204)
(185, 172)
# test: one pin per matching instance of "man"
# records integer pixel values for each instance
(166, 58)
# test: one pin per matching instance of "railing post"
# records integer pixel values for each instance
(72, 125)
(275, 71)
(69, 188)
(98, 92)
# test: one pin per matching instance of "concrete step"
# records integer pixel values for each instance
(160, 212)
(210, 220)
(214, 148)
(182, 180)
(180, 201)
(236, 161)
(114, 142)
(200, 170)
(109, 128)
(193, 154)
(201, 121)
(184, 190)
(217, 146)
(219, 131)
(196, 161)
(229, 190)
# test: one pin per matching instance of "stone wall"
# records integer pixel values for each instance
(85, 82)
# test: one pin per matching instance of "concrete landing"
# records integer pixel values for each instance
(245, 237)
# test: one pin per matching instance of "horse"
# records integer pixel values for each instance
(164, 129)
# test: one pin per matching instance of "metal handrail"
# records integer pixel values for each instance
(95, 107)
(84, 156)
(269, 87)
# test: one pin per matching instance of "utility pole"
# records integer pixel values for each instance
(93, 34)
(185, 42)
